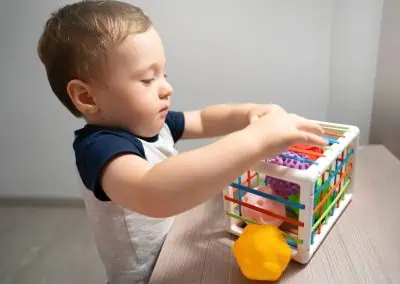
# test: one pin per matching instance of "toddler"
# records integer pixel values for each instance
(105, 62)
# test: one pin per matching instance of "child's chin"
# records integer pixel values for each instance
(157, 128)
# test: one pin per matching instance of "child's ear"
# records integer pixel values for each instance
(82, 96)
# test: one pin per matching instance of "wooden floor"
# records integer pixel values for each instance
(47, 245)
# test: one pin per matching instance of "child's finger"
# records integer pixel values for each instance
(313, 139)
(253, 118)
(307, 125)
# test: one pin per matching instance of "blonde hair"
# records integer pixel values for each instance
(77, 38)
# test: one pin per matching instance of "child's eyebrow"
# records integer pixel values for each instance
(142, 70)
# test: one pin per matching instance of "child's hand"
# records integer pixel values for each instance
(259, 110)
(278, 130)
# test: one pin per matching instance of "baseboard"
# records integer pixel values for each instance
(41, 202)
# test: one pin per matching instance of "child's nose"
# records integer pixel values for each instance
(166, 89)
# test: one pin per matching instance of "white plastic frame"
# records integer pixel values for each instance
(306, 179)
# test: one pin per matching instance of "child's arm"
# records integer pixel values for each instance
(218, 120)
(185, 181)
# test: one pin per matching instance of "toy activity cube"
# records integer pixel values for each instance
(302, 191)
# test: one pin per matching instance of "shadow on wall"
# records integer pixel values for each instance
(385, 126)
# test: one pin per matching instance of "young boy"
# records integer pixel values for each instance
(105, 62)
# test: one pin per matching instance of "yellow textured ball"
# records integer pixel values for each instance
(261, 252)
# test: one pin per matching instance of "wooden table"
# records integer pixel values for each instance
(363, 246)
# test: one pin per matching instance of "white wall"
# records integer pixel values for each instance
(385, 127)
(218, 51)
(355, 41)
(238, 51)
(36, 132)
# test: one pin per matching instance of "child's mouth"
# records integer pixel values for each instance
(164, 111)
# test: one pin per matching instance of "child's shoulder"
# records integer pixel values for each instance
(175, 121)
(99, 139)
(90, 133)
(95, 146)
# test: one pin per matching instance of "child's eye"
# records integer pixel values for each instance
(151, 80)
(147, 81)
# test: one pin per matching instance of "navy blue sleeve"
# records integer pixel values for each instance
(93, 152)
(176, 123)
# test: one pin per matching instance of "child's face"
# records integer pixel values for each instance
(137, 94)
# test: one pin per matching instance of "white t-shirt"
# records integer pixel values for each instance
(128, 243)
